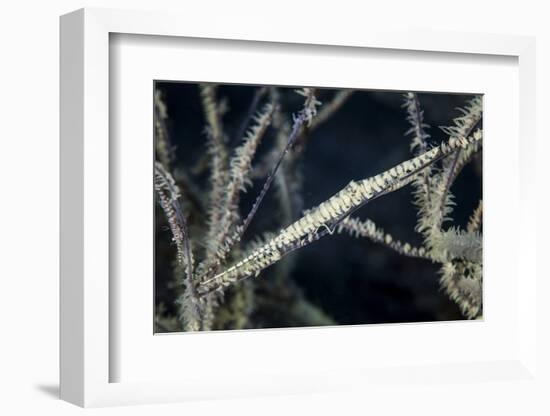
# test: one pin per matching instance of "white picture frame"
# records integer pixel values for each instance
(86, 354)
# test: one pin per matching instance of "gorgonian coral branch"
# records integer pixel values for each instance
(165, 153)
(218, 181)
(225, 206)
(368, 229)
(252, 109)
(212, 111)
(267, 184)
(326, 112)
(304, 117)
(454, 243)
(434, 212)
(328, 214)
(466, 156)
(217, 152)
(463, 127)
(168, 195)
(471, 116)
(288, 180)
(474, 223)
(419, 144)
(330, 107)
(311, 103)
(415, 117)
(163, 146)
(460, 252)
(462, 281)
(223, 242)
(240, 166)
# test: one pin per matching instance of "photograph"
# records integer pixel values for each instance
(247, 208)
(307, 206)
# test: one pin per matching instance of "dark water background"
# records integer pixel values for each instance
(353, 280)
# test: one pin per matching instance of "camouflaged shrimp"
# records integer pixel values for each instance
(323, 219)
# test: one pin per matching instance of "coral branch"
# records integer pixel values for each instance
(328, 214)
(463, 127)
(368, 229)
(163, 146)
(474, 224)
(462, 281)
(212, 111)
(258, 95)
(168, 194)
(216, 149)
(419, 144)
(415, 117)
(218, 243)
(304, 117)
(454, 243)
(330, 108)
(298, 122)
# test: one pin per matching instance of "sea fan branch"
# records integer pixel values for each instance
(415, 117)
(218, 244)
(252, 109)
(474, 223)
(368, 229)
(434, 212)
(218, 180)
(462, 281)
(163, 146)
(168, 194)
(454, 243)
(165, 153)
(463, 127)
(216, 150)
(432, 216)
(212, 112)
(328, 214)
(304, 117)
(329, 108)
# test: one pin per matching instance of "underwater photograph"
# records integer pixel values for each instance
(293, 206)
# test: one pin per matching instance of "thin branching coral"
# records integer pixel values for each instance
(168, 196)
(368, 229)
(330, 213)
(163, 147)
(238, 180)
(459, 251)
(474, 224)
(462, 281)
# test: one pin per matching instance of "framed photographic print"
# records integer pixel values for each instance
(268, 212)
